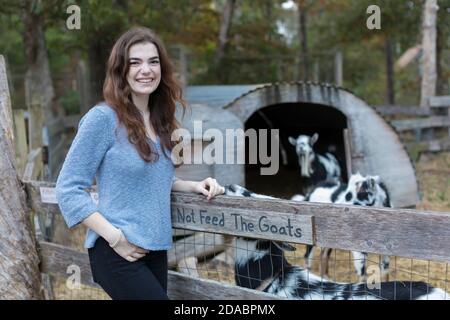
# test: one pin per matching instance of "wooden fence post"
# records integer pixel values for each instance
(338, 68)
(19, 261)
(20, 136)
(36, 123)
(429, 75)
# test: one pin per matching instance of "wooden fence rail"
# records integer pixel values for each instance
(439, 101)
(56, 259)
(430, 122)
(436, 116)
(399, 232)
(402, 110)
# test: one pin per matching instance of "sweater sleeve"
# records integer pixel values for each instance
(93, 139)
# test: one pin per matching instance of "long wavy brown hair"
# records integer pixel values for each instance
(162, 102)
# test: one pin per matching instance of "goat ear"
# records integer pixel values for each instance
(314, 138)
(292, 141)
(284, 246)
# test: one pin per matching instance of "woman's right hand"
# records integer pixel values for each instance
(127, 250)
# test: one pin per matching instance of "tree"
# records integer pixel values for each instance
(38, 82)
(302, 8)
(18, 255)
(222, 39)
(429, 76)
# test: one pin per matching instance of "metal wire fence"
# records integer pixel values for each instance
(212, 256)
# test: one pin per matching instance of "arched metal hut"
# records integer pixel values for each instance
(364, 140)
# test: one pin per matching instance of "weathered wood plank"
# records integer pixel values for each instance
(185, 287)
(403, 110)
(439, 101)
(400, 232)
(20, 140)
(182, 232)
(430, 122)
(430, 146)
(188, 266)
(348, 151)
(34, 165)
(36, 123)
(198, 245)
(428, 61)
(56, 259)
(241, 222)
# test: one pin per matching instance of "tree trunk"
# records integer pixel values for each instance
(441, 81)
(19, 260)
(225, 23)
(97, 55)
(268, 14)
(390, 89)
(428, 88)
(38, 82)
(302, 34)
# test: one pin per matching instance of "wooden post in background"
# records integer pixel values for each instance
(36, 123)
(338, 68)
(83, 86)
(20, 135)
(429, 73)
(19, 260)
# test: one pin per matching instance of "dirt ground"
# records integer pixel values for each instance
(433, 173)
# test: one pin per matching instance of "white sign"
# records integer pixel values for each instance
(48, 195)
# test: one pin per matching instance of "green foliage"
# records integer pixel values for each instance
(70, 102)
(256, 52)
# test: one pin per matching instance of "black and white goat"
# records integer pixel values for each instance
(314, 167)
(261, 264)
(360, 190)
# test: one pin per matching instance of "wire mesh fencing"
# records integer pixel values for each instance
(212, 256)
(222, 258)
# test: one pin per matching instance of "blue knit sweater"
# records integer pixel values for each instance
(133, 195)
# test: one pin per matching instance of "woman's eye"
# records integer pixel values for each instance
(154, 62)
(133, 63)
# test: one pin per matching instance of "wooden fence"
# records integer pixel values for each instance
(424, 124)
(58, 144)
(397, 232)
(40, 147)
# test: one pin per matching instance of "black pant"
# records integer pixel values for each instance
(145, 278)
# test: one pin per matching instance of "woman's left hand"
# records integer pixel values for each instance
(209, 188)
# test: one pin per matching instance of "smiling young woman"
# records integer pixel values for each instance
(125, 144)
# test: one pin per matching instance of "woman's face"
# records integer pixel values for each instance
(144, 73)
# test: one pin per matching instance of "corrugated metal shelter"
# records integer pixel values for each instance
(367, 142)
